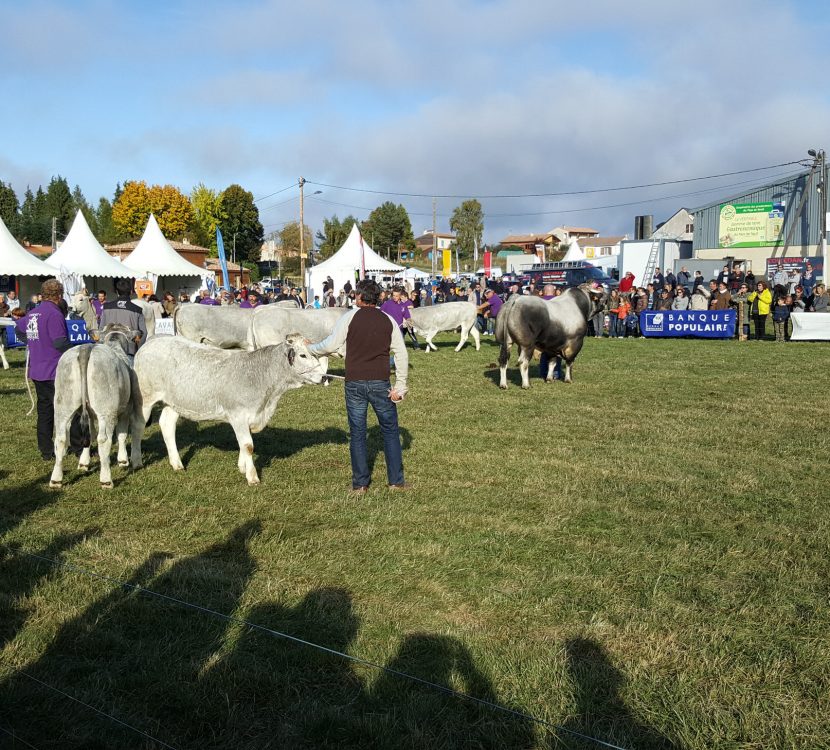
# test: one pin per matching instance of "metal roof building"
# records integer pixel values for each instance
(789, 191)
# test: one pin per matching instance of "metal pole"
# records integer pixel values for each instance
(434, 238)
(302, 243)
(823, 208)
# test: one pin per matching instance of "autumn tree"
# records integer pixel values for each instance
(387, 228)
(242, 220)
(467, 221)
(171, 208)
(208, 214)
(334, 234)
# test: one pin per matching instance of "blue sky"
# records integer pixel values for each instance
(450, 97)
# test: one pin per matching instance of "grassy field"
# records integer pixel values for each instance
(641, 556)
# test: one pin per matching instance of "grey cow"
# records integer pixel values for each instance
(447, 317)
(99, 378)
(556, 326)
(182, 375)
(225, 327)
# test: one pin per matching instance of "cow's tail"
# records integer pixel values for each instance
(83, 362)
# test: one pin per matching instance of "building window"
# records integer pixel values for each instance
(690, 228)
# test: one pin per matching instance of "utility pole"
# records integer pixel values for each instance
(434, 238)
(54, 233)
(302, 241)
(821, 158)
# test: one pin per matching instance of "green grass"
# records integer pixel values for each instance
(641, 556)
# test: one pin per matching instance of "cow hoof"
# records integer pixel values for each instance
(55, 485)
(252, 482)
(525, 387)
(123, 464)
(106, 485)
(83, 467)
(503, 387)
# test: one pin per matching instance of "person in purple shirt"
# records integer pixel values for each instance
(490, 308)
(206, 299)
(251, 301)
(98, 304)
(47, 338)
(397, 307)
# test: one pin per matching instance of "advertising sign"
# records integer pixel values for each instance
(143, 288)
(164, 327)
(750, 224)
(488, 264)
(706, 324)
(77, 332)
(796, 263)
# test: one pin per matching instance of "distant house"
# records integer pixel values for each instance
(563, 235)
(424, 243)
(595, 248)
(527, 243)
(195, 254)
(680, 226)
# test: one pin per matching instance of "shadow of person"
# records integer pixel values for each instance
(275, 692)
(400, 713)
(20, 575)
(23, 500)
(138, 656)
(600, 711)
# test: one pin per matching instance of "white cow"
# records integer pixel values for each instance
(4, 323)
(99, 378)
(446, 317)
(271, 324)
(225, 326)
(183, 376)
(82, 305)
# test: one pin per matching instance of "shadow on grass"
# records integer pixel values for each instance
(600, 710)
(19, 502)
(20, 575)
(514, 377)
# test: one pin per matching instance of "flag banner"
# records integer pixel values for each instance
(77, 332)
(447, 258)
(362, 259)
(220, 246)
(488, 264)
(706, 324)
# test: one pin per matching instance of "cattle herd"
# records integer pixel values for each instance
(262, 352)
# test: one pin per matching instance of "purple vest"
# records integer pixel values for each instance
(42, 326)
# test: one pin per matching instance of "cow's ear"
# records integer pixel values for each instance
(291, 355)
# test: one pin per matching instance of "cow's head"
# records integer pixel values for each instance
(597, 295)
(80, 303)
(306, 366)
(118, 336)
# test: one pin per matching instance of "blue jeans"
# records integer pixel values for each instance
(544, 362)
(359, 394)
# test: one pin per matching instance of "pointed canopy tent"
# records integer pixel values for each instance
(81, 253)
(346, 263)
(16, 261)
(154, 256)
(574, 251)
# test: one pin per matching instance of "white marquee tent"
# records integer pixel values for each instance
(574, 251)
(346, 262)
(16, 261)
(154, 256)
(81, 255)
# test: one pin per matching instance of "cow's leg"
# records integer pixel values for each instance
(568, 356)
(551, 369)
(85, 458)
(464, 332)
(246, 452)
(62, 422)
(476, 336)
(121, 430)
(428, 342)
(525, 356)
(504, 356)
(3, 356)
(136, 434)
(106, 425)
(567, 364)
(167, 424)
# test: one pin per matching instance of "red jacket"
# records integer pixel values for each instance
(626, 283)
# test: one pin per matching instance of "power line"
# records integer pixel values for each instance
(294, 639)
(558, 194)
(17, 738)
(257, 200)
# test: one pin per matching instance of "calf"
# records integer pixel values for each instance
(555, 326)
(183, 376)
(447, 317)
(99, 378)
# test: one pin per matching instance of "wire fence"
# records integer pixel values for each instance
(117, 583)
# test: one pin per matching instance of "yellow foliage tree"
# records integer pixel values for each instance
(171, 208)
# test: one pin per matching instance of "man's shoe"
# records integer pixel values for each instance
(359, 490)
(402, 487)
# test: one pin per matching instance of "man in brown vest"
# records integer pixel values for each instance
(369, 336)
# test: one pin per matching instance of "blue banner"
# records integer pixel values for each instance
(76, 330)
(220, 246)
(706, 324)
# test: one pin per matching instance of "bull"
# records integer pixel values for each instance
(191, 390)
(556, 326)
(99, 378)
(225, 327)
(447, 317)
